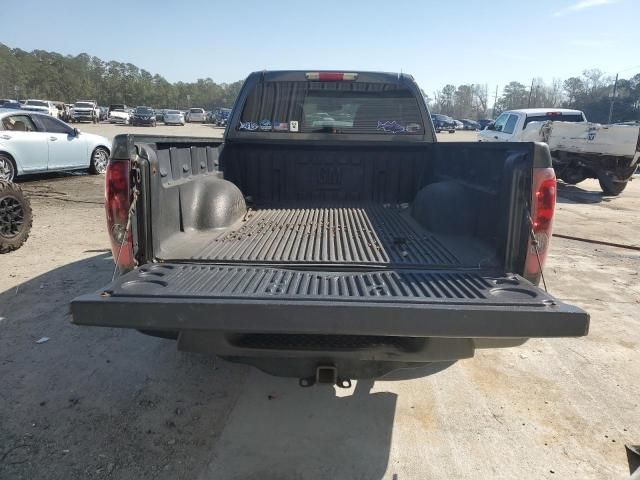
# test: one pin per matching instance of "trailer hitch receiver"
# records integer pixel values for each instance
(328, 375)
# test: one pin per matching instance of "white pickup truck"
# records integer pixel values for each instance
(579, 149)
(85, 111)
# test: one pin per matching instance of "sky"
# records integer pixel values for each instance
(455, 41)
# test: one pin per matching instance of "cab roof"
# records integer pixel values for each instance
(533, 112)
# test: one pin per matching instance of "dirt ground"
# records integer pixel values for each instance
(93, 403)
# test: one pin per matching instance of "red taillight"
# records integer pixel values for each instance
(117, 203)
(331, 76)
(543, 207)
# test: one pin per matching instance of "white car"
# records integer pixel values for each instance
(173, 117)
(119, 113)
(196, 115)
(33, 142)
(510, 125)
(118, 116)
(41, 106)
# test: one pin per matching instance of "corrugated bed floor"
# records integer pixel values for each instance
(373, 234)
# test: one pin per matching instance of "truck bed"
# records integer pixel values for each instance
(367, 234)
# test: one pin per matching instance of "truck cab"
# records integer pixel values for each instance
(510, 125)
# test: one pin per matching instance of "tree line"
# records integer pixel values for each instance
(590, 92)
(67, 78)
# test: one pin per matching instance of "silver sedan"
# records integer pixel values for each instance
(173, 117)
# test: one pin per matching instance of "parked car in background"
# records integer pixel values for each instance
(10, 104)
(32, 142)
(119, 113)
(143, 116)
(509, 126)
(484, 122)
(459, 124)
(468, 124)
(41, 106)
(104, 113)
(173, 117)
(160, 114)
(443, 122)
(85, 111)
(221, 116)
(64, 112)
(196, 115)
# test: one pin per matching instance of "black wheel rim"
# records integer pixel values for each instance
(11, 216)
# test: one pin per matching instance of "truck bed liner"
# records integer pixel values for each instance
(369, 234)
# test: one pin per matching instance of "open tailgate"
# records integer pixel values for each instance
(266, 299)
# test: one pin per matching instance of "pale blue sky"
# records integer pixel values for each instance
(455, 41)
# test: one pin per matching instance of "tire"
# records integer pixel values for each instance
(7, 168)
(99, 159)
(573, 176)
(452, 131)
(611, 188)
(15, 217)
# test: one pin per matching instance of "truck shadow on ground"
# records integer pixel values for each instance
(575, 194)
(83, 402)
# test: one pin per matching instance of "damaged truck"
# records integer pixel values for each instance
(328, 236)
(579, 149)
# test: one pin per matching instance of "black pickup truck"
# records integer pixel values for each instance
(328, 236)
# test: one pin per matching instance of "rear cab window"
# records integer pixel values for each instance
(555, 117)
(331, 107)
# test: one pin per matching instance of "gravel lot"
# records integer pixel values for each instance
(105, 403)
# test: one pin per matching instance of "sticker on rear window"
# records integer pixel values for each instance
(280, 127)
(265, 125)
(391, 127)
(250, 126)
(293, 126)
